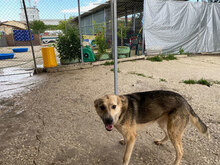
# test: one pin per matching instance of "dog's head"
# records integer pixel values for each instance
(109, 108)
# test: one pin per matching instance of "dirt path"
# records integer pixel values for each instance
(55, 123)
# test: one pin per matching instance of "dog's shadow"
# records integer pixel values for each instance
(93, 155)
(110, 152)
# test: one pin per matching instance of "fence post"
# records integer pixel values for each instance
(115, 43)
(30, 36)
(79, 19)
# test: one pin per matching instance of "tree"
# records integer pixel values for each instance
(62, 24)
(68, 44)
(100, 39)
(52, 27)
(37, 26)
(122, 31)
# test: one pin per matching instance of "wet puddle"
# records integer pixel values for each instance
(15, 80)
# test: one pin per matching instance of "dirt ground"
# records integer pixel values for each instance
(55, 123)
(24, 59)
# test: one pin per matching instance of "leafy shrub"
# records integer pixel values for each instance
(181, 50)
(162, 57)
(109, 63)
(163, 80)
(122, 31)
(68, 44)
(201, 81)
(189, 81)
(114, 70)
(100, 39)
(155, 58)
(169, 57)
(37, 26)
(204, 82)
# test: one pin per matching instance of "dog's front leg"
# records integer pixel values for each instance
(130, 141)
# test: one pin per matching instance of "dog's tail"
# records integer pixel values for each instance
(198, 123)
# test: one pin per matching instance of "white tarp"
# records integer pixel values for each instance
(170, 25)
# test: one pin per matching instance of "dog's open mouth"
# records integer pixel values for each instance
(109, 127)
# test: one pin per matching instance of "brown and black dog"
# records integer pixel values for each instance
(128, 113)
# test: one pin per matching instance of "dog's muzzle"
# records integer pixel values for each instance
(108, 124)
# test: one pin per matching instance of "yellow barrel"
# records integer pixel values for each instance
(49, 58)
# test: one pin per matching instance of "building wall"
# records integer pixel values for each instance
(3, 41)
(32, 12)
(87, 26)
(51, 21)
(6, 29)
(12, 42)
(9, 26)
(108, 25)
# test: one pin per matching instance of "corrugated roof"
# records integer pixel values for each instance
(121, 6)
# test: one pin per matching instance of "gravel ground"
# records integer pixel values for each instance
(25, 59)
(55, 122)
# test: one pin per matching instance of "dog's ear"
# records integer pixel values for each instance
(97, 102)
(122, 98)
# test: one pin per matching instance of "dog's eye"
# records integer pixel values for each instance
(102, 107)
(114, 106)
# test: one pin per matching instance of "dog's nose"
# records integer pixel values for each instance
(109, 121)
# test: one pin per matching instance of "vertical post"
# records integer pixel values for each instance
(30, 36)
(134, 19)
(126, 16)
(65, 23)
(112, 23)
(79, 19)
(105, 23)
(143, 41)
(115, 47)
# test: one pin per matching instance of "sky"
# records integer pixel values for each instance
(48, 9)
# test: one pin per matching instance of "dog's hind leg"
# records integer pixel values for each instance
(163, 125)
(175, 127)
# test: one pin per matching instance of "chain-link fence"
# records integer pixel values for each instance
(47, 19)
(50, 18)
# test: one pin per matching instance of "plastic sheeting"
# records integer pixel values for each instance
(170, 25)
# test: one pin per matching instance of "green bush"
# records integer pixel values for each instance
(100, 39)
(109, 63)
(163, 80)
(155, 58)
(162, 57)
(204, 82)
(114, 70)
(201, 81)
(68, 44)
(189, 81)
(181, 50)
(169, 57)
(122, 32)
(37, 26)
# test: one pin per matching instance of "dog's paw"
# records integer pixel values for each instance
(157, 142)
(122, 142)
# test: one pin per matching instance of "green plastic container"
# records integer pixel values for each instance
(88, 55)
(123, 51)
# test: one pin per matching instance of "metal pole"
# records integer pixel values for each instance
(134, 21)
(115, 47)
(126, 16)
(143, 41)
(79, 19)
(112, 21)
(30, 36)
(65, 23)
